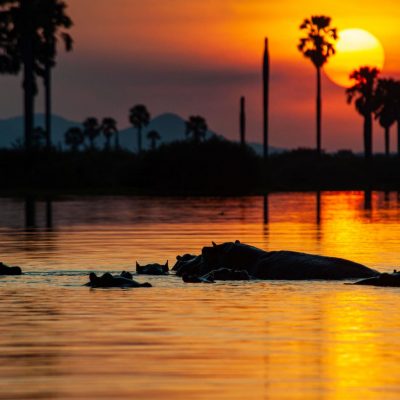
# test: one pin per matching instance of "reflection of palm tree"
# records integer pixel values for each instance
(363, 92)
(109, 128)
(386, 113)
(91, 129)
(74, 138)
(54, 17)
(318, 46)
(197, 127)
(139, 117)
(153, 136)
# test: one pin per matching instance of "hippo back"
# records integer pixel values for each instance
(290, 265)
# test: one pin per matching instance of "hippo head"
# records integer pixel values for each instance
(152, 269)
(214, 255)
(93, 278)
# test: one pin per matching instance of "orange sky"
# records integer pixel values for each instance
(200, 56)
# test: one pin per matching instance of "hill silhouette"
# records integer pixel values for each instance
(170, 126)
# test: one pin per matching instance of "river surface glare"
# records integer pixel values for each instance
(252, 340)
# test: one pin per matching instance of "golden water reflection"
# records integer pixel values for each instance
(255, 340)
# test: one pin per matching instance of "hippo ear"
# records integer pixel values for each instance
(237, 242)
(137, 265)
(166, 264)
(214, 244)
(178, 257)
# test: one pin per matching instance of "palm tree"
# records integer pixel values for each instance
(153, 136)
(91, 129)
(139, 117)
(197, 127)
(386, 113)
(363, 92)
(54, 21)
(318, 45)
(109, 128)
(22, 41)
(74, 138)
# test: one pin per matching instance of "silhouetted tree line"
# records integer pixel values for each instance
(139, 116)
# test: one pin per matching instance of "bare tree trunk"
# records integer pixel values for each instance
(266, 99)
(243, 121)
(319, 110)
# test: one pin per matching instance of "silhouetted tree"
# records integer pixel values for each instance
(196, 127)
(109, 128)
(363, 92)
(386, 112)
(139, 117)
(153, 136)
(91, 129)
(318, 45)
(54, 22)
(22, 41)
(74, 138)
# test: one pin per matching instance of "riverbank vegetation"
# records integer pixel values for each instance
(212, 167)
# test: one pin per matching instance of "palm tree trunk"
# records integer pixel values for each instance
(116, 140)
(47, 87)
(139, 131)
(368, 135)
(28, 79)
(153, 144)
(398, 137)
(319, 110)
(387, 141)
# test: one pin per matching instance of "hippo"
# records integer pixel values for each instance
(272, 265)
(6, 270)
(152, 269)
(109, 281)
(188, 262)
(226, 274)
(221, 274)
(189, 278)
(384, 279)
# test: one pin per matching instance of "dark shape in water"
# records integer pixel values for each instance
(152, 269)
(6, 270)
(273, 265)
(109, 281)
(385, 280)
(189, 278)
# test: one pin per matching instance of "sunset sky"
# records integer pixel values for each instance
(200, 56)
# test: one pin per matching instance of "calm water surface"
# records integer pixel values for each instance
(255, 340)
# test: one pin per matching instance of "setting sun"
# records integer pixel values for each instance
(355, 48)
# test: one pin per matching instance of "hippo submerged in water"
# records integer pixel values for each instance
(6, 270)
(108, 281)
(272, 265)
(221, 274)
(152, 269)
(386, 280)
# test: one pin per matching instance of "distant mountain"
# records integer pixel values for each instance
(171, 127)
